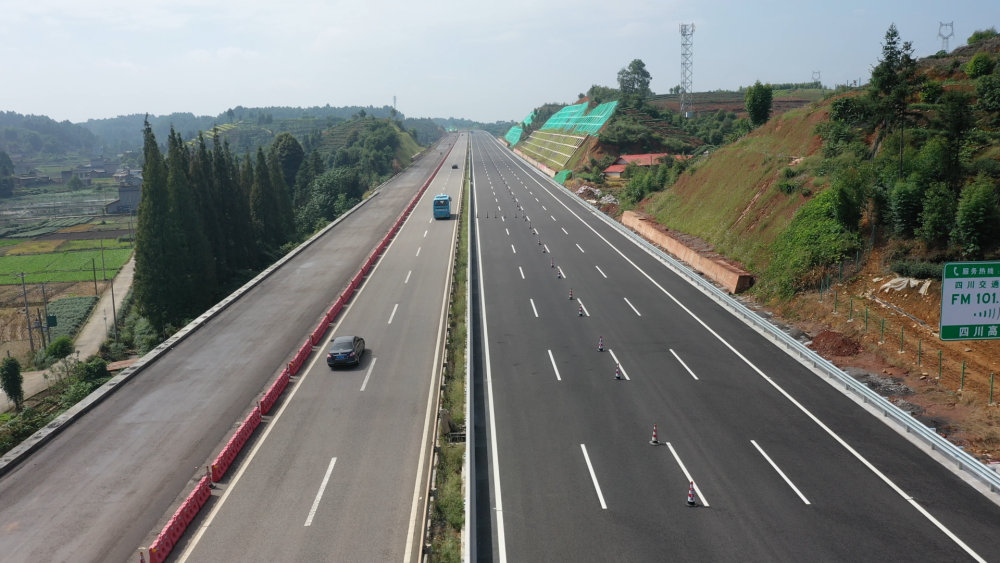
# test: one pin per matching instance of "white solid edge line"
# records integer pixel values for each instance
(688, 475)
(522, 272)
(601, 271)
(407, 280)
(683, 364)
(498, 509)
(533, 307)
(617, 363)
(593, 477)
(585, 311)
(393, 314)
(581, 250)
(369, 374)
(319, 495)
(554, 366)
(633, 306)
(781, 390)
(780, 472)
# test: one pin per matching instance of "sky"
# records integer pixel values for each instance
(486, 61)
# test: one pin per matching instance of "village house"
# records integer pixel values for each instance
(129, 191)
(618, 166)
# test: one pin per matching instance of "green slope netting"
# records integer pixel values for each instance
(552, 149)
(529, 119)
(514, 135)
(562, 176)
(575, 119)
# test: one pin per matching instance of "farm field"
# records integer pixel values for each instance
(61, 266)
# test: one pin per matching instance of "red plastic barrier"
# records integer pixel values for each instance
(235, 444)
(274, 392)
(174, 529)
(301, 356)
(335, 309)
(317, 334)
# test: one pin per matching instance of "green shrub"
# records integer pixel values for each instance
(11, 381)
(937, 218)
(981, 64)
(975, 223)
(789, 173)
(788, 187)
(931, 91)
(815, 237)
(905, 204)
(60, 348)
(919, 270)
(988, 94)
(74, 393)
(93, 369)
(981, 34)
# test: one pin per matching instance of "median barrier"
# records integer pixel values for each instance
(235, 444)
(317, 334)
(175, 528)
(274, 392)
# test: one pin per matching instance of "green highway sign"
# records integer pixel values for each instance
(970, 301)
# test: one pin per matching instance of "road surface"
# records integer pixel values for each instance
(786, 468)
(97, 489)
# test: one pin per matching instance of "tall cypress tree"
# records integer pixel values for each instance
(264, 205)
(285, 218)
(246, 183)
(207, 203)
(151, 285)
(190, 257)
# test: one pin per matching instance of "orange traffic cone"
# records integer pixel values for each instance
(570, 292)
(654, 441)
(618, 372)
(581, 310)
(600, 344)
(691, 494)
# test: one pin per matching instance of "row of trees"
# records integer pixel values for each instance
(207, 218)
(204, 215)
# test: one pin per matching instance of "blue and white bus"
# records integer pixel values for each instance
(442, 206)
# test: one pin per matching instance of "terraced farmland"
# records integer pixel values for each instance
(61, 266)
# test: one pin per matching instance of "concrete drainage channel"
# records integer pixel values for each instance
(949, 454)
(172, 532)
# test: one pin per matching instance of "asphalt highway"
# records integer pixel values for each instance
(785, 467)
(96, 491)
(341, 473)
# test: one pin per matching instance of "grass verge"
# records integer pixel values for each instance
(448, 516)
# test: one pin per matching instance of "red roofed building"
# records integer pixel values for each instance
(616, 169)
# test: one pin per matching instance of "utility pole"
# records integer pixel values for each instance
(93, 265)
(113, 313)
(104, 272)
(945, 32)
(27, 316)
(45, 307)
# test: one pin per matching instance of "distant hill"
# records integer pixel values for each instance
(29, 136)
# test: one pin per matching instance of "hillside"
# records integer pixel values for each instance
(731, 197)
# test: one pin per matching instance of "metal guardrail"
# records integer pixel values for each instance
(963, 460)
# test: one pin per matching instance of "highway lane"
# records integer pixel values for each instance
(754, 454)
(363, 436)
(96, 490)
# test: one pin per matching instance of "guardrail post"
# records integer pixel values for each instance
(900, 340)
(835, 296)
(939, 364)
(881, 338)
(850, 316)
(962, 384)
(991, 387)
(919, 350)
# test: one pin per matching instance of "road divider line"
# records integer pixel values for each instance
(407, 280)
(508, 231)
(619, 364)
(418, 251)
(561, 273)
(319, 495)
(425, 234)
(553, 218)
(393, 314)
(780, 472)
(633, 306)
(563, 230)
(581, 250)
(554, 366)
(677, 458)
(514, 249)
(546, 247)
(601, 271)
(543, 207)
(369, 374)
(593, 477)
(533, 307)
(584, 307)
(685, 365)
(522, 272)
